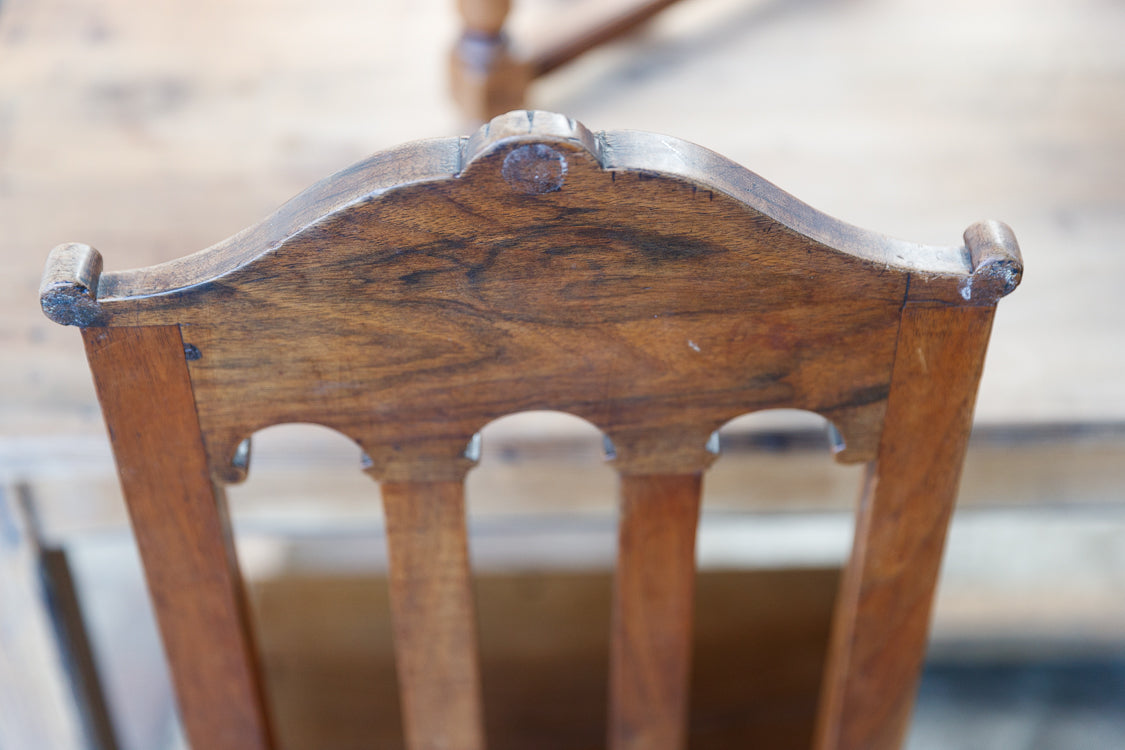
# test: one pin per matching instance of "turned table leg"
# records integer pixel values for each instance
(486, 79)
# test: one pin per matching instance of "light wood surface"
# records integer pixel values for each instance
(142, 133)
(625, 19)
(36, 692)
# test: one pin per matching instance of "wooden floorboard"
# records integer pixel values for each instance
(760, 639)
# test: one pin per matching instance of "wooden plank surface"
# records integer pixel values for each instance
(544, 650)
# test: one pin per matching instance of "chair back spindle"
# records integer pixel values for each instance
(650, 640)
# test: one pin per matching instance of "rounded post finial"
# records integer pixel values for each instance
(996, 259)
(68, 292)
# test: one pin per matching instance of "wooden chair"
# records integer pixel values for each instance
(487, 77)
(638, 281)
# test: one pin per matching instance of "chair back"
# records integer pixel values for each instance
(640, 282)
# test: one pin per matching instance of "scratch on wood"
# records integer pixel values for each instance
(966, 288)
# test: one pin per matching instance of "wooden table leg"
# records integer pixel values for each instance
(486, 79)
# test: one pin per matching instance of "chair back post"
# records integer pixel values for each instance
(180, 522)
(882, 616)
(883, 608)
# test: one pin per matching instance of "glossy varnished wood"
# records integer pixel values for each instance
(182, 532)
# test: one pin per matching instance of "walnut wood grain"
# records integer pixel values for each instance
(433, 615)
(654, 584)
(883, 610)
(179, 520)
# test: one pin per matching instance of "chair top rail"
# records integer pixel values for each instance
(641, 282)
